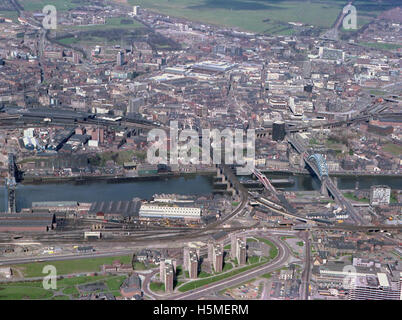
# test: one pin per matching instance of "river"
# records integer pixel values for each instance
(196, 185)
(103, 191)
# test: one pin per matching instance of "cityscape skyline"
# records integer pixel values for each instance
(193, 150)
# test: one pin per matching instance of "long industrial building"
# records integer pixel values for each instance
(162, 212)
(31, 222)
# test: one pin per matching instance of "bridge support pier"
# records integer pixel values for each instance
(324, 190)
(302, 163)
(229, 187)
(220, 175)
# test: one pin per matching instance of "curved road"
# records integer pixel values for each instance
(280, 260)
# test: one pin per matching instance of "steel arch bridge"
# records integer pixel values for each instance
(320, 163)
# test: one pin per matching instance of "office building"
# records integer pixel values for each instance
(380, 195)
(134, 105)
(278, 131)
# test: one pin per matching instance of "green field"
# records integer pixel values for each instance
(118, 157)
(111, 23)
(351, 196)
(253, 259)
(267, 275)
(19, 292)
(9, 14)
(264, 16)
(67, 286)
(69, 266)
(379, 45)
(157, 286)
(204, 274)
(393, 148)
(88, 40)
(61, 5)
(227, 267)
(273, 252)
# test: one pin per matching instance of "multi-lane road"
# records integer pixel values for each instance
(304, 290)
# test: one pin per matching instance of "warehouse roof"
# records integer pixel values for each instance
(125, 208)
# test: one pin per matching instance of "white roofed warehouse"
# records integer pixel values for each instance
(169, 212)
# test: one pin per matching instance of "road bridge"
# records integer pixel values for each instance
(317, 163)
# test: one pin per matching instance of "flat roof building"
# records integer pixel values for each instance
(375, 287)
(161, 212)
(31, 222)
(116, 209)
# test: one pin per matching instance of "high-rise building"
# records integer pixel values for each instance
(193, 265)
(136, 10)
(167, 273)
(190, 261)
(241, 252)
(134, 105)
(169, 278)
(162, 267)
(211, 245)
(217, 258)
(76, 58)
(186, 252)
(234, 243)
(278, 131)
(120, 58)
(97, 134)
(296, 107)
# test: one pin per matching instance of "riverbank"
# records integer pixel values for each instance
(160, 176)
(110, 178)
(109, 190)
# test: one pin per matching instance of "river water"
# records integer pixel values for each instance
(196, 185)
